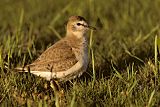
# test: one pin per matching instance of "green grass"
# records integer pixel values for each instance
(124, 65)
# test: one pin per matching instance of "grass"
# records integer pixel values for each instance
(124, 53)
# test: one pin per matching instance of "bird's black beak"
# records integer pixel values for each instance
(93, 28)
(90, 27)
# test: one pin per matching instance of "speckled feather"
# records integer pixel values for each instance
(59, 57)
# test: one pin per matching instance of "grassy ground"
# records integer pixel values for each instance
(124, 55)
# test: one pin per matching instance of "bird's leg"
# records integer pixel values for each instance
(59, 93)
(54, 85)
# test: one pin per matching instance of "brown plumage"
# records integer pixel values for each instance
(67, 58)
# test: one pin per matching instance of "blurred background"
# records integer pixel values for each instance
(123, 24)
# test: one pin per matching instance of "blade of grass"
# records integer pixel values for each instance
(20, 25)
(1, 60)
(59, 14)
(93, 68)
(149, 34)
(134, 56)
(151, 98)
(55, 32)
(133, 85)
(155, 55)
(117, 73)
(30, 54)
(109, 89)
(92, 57)
(73, 99)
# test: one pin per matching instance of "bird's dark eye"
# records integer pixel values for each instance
(78, 24)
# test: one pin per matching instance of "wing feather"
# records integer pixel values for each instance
(59, 57)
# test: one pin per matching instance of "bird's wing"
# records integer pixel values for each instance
(59, 57)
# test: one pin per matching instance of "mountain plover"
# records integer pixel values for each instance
(67, 58)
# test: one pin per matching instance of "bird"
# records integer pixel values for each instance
(67, 58)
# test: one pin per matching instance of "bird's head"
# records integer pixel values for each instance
(78, 26)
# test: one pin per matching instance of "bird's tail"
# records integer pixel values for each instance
(21, 69)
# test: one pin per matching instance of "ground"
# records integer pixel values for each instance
(124, 60)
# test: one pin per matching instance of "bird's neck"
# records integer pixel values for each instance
(78, 35)
(77, 39)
